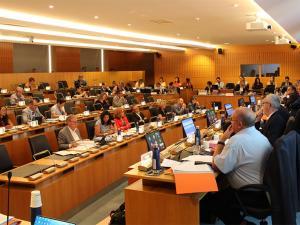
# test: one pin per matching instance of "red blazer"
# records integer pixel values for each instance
(122, 124)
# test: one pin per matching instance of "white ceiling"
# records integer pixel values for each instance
(218, 21)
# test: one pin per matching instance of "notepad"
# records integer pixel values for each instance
(191, 168)
(201, 158)
(3, 219)
(169, 163)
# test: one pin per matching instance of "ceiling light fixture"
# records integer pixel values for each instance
(235, 5)
(129, 24)
(8, 14)
(96, 17)
(69, 44)
(51, 6)
(86, 37)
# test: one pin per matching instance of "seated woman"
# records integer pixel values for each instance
(102, 102)
(209, 87)
(80, 93)
(121, 120)
(31, 84)
(105, 125)
(4, 120)
(257, 84)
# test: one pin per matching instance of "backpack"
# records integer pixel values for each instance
(117, 217)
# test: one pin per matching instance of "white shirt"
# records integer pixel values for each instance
(58, 111)
(243, 158)
(74, 134)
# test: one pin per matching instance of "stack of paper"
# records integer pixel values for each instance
(3, 219)
(199, 158)
(191, 168)
(66, 152)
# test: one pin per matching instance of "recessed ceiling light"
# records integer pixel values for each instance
(197, 37)
(51, 6)
(235, 5)
(226, 43)
(129, 24)
(96, 17)
(197, 18)
(178, 34)
(267, 40)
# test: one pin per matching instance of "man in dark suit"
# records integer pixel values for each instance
(291, 100)
(277, 118)
(137, 116)
(69, 135)
(80, 82)
(285, 84)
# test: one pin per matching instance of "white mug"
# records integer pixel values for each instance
(46, 100)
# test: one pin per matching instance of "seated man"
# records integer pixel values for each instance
(194, 104)
(80, 82)
(68, 136)
(180, 107)
(58, 109)
(277, 118)
(31, 112)
(17, 96)
(119, 100)
(291, 100)
(137, 116)
(242, 159)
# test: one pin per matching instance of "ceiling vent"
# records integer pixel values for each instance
(257, 25)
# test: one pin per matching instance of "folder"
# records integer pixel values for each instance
(195, 182)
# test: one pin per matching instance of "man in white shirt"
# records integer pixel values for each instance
(242, 159)
(69, 135)
(219, 83)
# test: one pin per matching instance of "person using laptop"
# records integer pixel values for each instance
(32, 112)
(69, 135)
(58, 109)
(242, 161)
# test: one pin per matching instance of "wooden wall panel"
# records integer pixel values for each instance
(6, 57)
(130, 61)
(66, 59)
(228, 64)
(198, 65)
(10, 80)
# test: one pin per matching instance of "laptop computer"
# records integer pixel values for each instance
(40, 220)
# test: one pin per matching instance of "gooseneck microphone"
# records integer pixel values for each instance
(9, 175)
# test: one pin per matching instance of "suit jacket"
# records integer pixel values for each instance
(80, 83)
(282, 176)
(137, 119)
(65, 138)
(275, 125)
(179, 110)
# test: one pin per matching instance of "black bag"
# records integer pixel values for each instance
(117, 217)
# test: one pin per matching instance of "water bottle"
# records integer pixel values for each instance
(35, 205)
(197, 137)
(137, 127)
(156, 159)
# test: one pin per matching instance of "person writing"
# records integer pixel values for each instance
(58, 109)
(105, 125)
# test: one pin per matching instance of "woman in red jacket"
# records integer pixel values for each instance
(121, 120)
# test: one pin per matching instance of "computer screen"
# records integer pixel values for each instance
(252, 100)
(188, 127)
(210, 117)
(229, 109)
(40, 220)
(155, 138)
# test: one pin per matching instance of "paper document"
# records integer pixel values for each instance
(188, 168)
(64, 153)
(170, 163)
(3, 219)
(201, 158)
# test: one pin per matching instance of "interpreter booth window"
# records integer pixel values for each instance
(90, 60)
(249, 70)
(270, 70)
(30, 58)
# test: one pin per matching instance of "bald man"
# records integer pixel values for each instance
(180, 108)
(242, 159)
(17, 96)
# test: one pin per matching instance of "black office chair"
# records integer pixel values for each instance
(98, 106)
(90, 127)
(93, 92)
(59, 95)
(153, 111)
(89, 105)
(40, 146)
(6, 101)
(43, 109)
(110, 100)
(19, 119)
(56, 131)
(60, 85)
(5, 162)
(130, 117)
(68, 107)
(47, 114)
(214, 104)
(230, 86)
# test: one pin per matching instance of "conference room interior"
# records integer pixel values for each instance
(159, 112)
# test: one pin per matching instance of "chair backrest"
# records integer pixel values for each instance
(43, 109)
(93, 92)
(19, 119)
(39, 143)
(89, 105)
(129, 117)
(97, 106)
(230, 85)
(149, 99)
(38, 95)
(110, 100)
(90, 128)
(5, 162)
(153, 111)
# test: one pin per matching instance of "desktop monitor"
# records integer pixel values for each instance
(252, 100)
(153, 138)
(210, 117)
(229, 109)
(188, 127)
(40, 220)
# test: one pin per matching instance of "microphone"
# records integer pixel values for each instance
(9, 175)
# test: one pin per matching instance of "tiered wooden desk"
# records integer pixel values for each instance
(71, 186)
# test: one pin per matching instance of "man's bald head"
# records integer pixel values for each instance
(245, 116)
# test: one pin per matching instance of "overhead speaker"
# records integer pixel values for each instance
(220, 51)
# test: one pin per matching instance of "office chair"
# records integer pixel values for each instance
(6, 101)
(214, 104)
(93, 92)
(110, 100)
(38, 144)
(19, 119)
(75, 110)
(68, 106)
(130, 99)
(230, 86)
(38, 95)
(89, 105)
(60, 85)
(43, 109)
(5, 162)
(59, 95)
(47, 114)
(90, 128)
(130, 117)
(153, 111)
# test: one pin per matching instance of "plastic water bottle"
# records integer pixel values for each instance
(156, 159)
(35, 205)
(197, 136)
